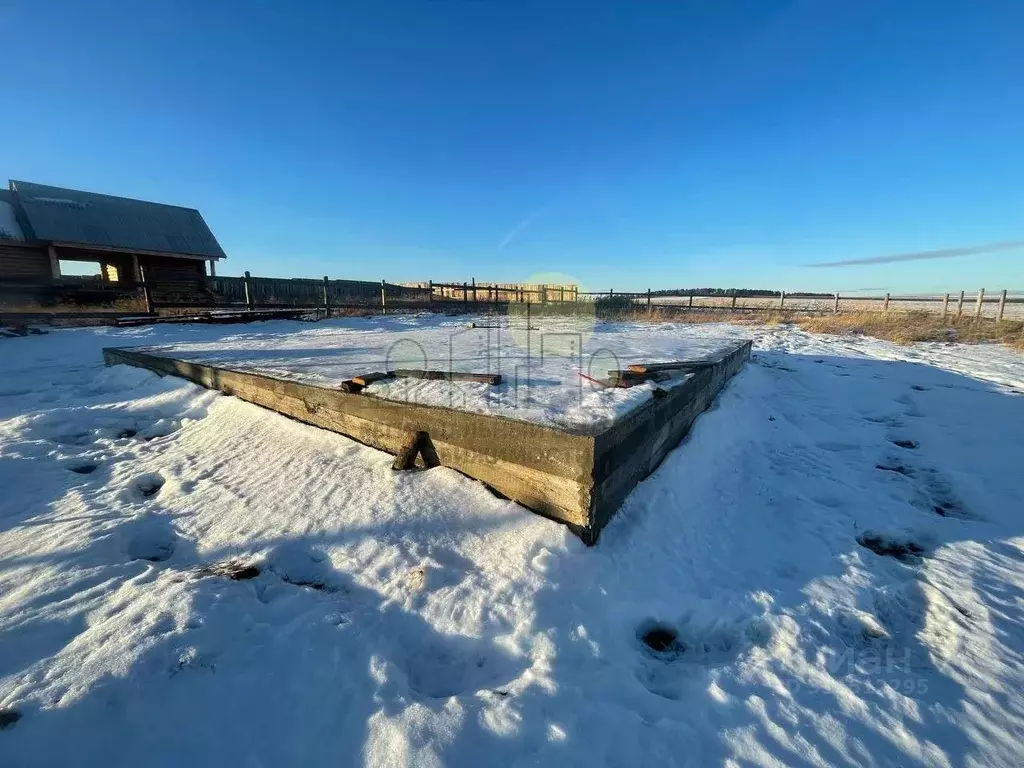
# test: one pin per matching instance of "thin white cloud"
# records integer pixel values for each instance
(520, 227)
(944, 253)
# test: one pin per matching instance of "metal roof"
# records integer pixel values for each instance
(62, 215)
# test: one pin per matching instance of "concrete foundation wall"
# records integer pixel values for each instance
(578, 479)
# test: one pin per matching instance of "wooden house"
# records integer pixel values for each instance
(43, 227)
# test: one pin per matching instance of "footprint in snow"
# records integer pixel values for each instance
(905, 443)
(889, 421)
(937, 496)
(148, 485)
(83, 468)
(154, 548)
(837, 446)
(669, 652)
(303, 566)
(443, 666)
(896, 467)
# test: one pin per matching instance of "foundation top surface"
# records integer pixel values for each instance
(552, 373)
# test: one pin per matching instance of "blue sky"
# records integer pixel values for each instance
(630, 145)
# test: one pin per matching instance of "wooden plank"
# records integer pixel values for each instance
(631, 378)
(428, 452)
(406, 457)
(368, 378)
(671, 366)
(479, 378)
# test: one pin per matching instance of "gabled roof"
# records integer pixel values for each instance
(60, 215)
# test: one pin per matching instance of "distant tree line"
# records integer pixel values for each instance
(741, 292)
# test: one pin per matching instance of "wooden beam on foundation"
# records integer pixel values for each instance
(479, 378)
(630, 378)
(674, 366)
(368, 378)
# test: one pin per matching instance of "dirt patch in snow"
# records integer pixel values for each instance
(891, 546)
(236, 570)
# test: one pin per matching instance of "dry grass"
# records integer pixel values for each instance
(909, 327)
(898, 327)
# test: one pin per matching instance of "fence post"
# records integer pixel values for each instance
(835, 306)
(147, 292)
(960, 307)
(733, 301)
(691, 301)
(648, 299)
(383, 298)
(465, 295)
(474, 291)
(248, 291)
(885, 305)
(430, 296)
(782, 299)
(327, 298)
(977, 308)
(945, 306)
(1002, 306)
(527, 339)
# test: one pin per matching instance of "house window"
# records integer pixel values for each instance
(84, 269)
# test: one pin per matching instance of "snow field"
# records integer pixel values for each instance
(832, 563)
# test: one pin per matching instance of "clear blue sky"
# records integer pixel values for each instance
(630, 145)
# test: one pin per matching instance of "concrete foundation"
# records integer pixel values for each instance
(579, 478)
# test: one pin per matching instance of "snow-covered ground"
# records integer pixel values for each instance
(540, 360)
(413, 618)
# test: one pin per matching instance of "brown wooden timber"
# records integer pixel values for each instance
(632, 378)
(674, 366)
(369, 378)
(406, 457)
(479, 378)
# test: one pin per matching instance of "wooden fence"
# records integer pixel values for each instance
(474, 292)
(252, 293)
(272, 293)
(998, 306)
